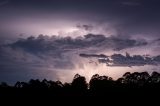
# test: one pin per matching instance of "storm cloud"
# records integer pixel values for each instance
(119, 60)
(63, 44)
(85, 27)
(57, 53)
(60, 50)
(136, 18)
(92, 28)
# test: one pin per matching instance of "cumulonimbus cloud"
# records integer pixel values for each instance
(56, 53)
(60, 52)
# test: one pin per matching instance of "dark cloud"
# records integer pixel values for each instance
(93, 55)
(130, 20)
(57, 53)
(119, 60)
(58, 45)
(85, 27)
(124, 15)
(157, 59)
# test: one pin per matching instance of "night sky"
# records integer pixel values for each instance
(55, 39)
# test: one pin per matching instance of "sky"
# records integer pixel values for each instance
(55, 39)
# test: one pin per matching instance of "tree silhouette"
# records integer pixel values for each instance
(155, 77)
(79, 83)
(137, 83)
(100, 84)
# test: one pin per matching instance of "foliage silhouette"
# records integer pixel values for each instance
(137, 83)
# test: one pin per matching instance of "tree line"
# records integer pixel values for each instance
(130, 83)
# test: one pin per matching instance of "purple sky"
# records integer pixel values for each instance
(69, 28)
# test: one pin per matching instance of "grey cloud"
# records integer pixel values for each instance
(56, 53)
(60, 52)
(125, 16)
(157, 59)
(58, 45)
(125, 61)
(85, 27)
(93, 55)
